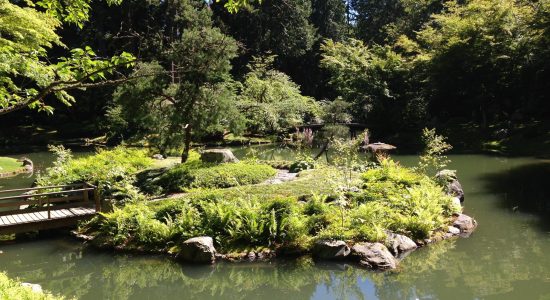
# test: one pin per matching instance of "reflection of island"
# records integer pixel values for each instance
(434, 272)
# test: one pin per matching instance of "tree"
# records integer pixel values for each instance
(27, 75)
(188, 92)
(329, 17)
(271, 102)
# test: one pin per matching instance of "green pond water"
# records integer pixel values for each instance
(507, 257)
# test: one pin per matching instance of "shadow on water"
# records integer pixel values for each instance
(524, 188)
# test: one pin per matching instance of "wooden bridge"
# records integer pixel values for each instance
(47, 207)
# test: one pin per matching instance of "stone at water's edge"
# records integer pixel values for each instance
(454, 188)
(373, 255)
(399, 244)
(218, 156)
(37, 288)
(198, 250)
(465, 224)
(331, 250)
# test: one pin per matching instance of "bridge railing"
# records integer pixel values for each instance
(48, 198)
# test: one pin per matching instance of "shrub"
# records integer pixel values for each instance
(301, 165)
(113, 171)
(233, 174)
(185, 176)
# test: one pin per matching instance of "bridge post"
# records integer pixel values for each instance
(97, 200)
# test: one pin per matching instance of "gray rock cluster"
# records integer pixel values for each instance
(375, 256)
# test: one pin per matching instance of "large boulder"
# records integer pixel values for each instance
(332, 250)
(465, 224)
(399, 244)
(198, 250)
(374, 256)
(218, 156)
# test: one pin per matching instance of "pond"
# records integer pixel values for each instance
(506, 257)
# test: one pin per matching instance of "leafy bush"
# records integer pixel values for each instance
(12, 289)
(301, 165)
(199, 175)
(113, 171)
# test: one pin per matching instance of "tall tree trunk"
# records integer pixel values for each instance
(186, 144)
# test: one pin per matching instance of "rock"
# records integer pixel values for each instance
(373, 255)
(465, 224)
(218, 156)
(158, 157)
(457, 202)
(325, 249)
(453, 230)
(399, 244)
(34, 287)
(453, 188)
(198, 250)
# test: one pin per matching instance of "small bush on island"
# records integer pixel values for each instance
(12, 289)
(113, 171)
(196, 174)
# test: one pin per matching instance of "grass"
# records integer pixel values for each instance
(8, 164)
(12, 289)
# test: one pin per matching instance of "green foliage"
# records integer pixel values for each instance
(303, 164)
(185, 92)
(361, 74)
(27, 34)
(271, 102)
(393, 198)
(113, 171)
(12, 289)
(433, 159)
(232, 174)
(196, 174)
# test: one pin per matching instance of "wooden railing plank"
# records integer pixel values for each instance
(45, 187)
(45, 194)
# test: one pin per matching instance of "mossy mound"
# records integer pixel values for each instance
(10, 167)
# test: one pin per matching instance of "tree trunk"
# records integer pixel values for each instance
(323, 150)
(186, 144)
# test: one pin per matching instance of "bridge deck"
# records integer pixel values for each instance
(42, 216)
(60, 206)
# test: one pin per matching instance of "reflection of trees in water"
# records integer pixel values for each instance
(433, 272)
(524, 188)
